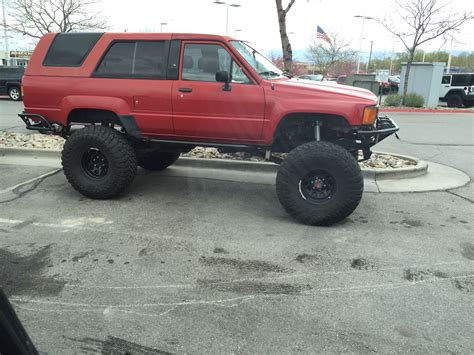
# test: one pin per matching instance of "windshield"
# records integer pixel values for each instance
(262, 65)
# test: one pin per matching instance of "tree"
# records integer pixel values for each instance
(326, 56)
(33, 18)
(296, 68)
(420, 21)
(285, 41)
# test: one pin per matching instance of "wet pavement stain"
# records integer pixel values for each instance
(419, 275)
(115, 346)
(23, 275)
(465, 285)
(254, 287)
(307, 258)
(467, 250)
(361, 264)
(220, 251)
(242, 265)
(80, 256)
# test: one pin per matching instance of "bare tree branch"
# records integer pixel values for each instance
(422, 21)
(33, 18)
(325, 56)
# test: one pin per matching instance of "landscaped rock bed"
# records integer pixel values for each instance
(43, 141)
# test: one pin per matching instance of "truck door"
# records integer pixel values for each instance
(203, 108)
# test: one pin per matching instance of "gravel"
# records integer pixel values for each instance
(44, 141)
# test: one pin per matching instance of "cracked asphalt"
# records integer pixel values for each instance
(189, 265)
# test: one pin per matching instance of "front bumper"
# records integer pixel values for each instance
(368, 136)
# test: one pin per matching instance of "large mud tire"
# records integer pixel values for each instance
(319, 183)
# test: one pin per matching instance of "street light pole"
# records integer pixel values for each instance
(235, 32)
(5, 33)
(361, 38)
(219, 2)
(370, 56)
(163, 24)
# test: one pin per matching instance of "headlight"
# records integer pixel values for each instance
(370, 115)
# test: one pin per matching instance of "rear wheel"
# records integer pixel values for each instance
(99, 162)
(156, 160)
(14, 93)
(319, 183)
(455, 100)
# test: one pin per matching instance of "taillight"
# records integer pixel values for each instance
(22, 92)
(370, 115)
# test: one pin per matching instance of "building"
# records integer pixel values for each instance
(15, 58)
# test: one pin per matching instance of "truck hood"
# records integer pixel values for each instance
(331, 88)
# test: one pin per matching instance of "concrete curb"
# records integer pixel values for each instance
(435, 178)
(419, 169)
(49, 156)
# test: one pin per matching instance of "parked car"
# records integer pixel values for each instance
(314, 77)
(148, 97)
(394, 83)
(10, 81)
(341, 79)
(457, 89)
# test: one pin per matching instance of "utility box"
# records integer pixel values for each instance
(365, 81)
(424, 80)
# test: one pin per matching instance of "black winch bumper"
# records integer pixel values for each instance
(369, 136)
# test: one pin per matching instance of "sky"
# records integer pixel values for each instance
(258, 22)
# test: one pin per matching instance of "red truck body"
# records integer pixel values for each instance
(143, 99)
(250, 113)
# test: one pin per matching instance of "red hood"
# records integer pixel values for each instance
(330, 88)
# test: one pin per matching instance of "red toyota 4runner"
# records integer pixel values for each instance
(145, 98)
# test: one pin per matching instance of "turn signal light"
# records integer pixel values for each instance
(370, 115)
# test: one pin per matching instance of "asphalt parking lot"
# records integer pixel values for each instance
(186, 264)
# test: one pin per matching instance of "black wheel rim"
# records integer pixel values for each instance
(94, 163)
(317, 186)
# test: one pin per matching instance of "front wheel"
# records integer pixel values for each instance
(99, 162)
(319, 183)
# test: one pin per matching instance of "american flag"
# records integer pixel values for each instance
(322, 35)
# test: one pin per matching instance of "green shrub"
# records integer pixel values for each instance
(414, 100)
(393, 100)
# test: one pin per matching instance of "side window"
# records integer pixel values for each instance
(138, 59)
(70, 49)
(460, 80)
(446, 79)
(202, 61)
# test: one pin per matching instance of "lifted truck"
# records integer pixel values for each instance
(145, 98)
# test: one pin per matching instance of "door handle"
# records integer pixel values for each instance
(185, 90)
(446, 86)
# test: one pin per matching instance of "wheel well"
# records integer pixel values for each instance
(88, 115)
(9, 86)
(454, 92)
(298, 128)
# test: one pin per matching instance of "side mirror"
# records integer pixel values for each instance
(223, 77)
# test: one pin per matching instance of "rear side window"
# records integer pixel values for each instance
(461, 80)
(70, 49)
(137, 59)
